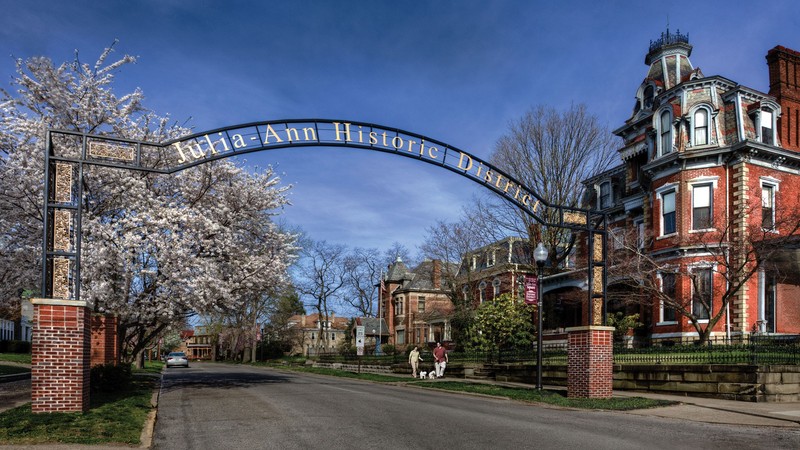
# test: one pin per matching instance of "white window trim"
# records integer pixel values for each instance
(496, 287)
(659, 146)
(665, 189)
(482, 291)
(701, 266)
(661, 321)
(702, 181)
(709, 119)
(774, 183)
(773, 123)
(641, 234)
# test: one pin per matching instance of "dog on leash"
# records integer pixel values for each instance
(423, 375)
(432, 376)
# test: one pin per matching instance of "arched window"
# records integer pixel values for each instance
(665, 133)
(700, 123)
(495, 287)
(482, 291)
(649, 94)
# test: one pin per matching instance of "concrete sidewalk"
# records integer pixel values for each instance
(711, 410)
(708, 410)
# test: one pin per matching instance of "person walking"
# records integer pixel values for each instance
(440, 359)
(414, 359)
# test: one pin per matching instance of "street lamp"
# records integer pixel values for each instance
(540, 256)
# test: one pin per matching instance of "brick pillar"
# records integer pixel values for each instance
(60, 356)
(590, 360)
(105, 348)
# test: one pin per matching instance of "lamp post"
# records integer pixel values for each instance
(540, 256)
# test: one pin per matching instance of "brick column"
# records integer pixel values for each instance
(60, 356)
(105, 348)
(590, 360)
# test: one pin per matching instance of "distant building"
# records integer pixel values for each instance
(415, 304)
(317, 334)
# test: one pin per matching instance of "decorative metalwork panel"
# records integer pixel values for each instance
(100, 149)
(63, 193)
(62, 226)
(597, 316)
(597, 255)
(61, 268)
(597, 280)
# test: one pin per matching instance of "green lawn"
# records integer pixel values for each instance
(117, 417)
(16, 357)
(557, 398)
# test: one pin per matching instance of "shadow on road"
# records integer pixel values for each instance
(189, 379)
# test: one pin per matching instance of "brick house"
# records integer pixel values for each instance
(706, 165)
(496, 269)
(415, 303)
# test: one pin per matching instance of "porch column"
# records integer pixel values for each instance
(590, 360)
(60, 356)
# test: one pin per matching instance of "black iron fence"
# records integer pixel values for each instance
(756, 350)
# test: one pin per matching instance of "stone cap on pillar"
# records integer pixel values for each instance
(59, 302)
(590, 328)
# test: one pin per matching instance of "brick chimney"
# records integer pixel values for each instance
(437, 274)
(784, 85)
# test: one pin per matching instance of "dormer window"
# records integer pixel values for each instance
(649, 95)
(700, 127)
(605, 195)
(491, 257)
(766, 127)
(665, 133)
(764, 124)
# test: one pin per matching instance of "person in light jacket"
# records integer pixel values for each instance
(414, 359)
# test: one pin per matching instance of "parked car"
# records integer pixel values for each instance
(177, 359)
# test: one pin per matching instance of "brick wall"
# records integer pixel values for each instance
(590, 362)
(784, 84)
(105, 348)
(60, 356)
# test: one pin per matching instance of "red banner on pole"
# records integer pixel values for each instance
(531, 290)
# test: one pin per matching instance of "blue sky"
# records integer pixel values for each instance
(456, 71)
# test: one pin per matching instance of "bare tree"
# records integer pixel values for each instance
(551, 152)
(321, 276)
(735, 253)
(397, 250)
(363, 269)
(451, 243)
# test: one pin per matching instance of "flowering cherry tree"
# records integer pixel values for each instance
(156, 248)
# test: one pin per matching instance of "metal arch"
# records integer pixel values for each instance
(220, 143)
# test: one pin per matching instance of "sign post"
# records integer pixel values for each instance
(360, 340)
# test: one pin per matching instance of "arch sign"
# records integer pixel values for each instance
(68, 152)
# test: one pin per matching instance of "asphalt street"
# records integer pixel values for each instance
(218, 406)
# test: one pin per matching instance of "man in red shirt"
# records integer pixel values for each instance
(440, 359)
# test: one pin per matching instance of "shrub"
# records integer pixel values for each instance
(111, 377)
(388, 349)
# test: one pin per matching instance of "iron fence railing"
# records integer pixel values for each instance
(757, 350)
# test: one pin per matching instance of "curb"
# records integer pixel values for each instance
(146, 438)
(15, 377)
